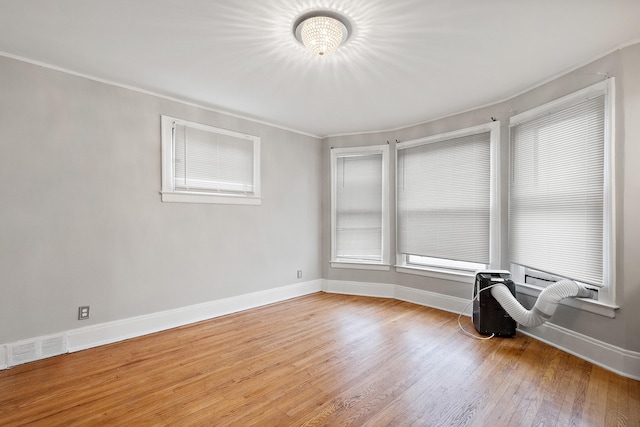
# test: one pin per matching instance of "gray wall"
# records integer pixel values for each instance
(82, 223)
(623, 331)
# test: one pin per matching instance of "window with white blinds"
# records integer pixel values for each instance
(561, 188)
(210, 165)
(360, 204)
(445, 186)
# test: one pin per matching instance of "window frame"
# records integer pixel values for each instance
(353, 263)
(449, 269)
(171, 194)
(606, 302)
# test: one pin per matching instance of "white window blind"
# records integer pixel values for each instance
(443, 198)
(556, 203)
(205, 164)
(209, 161)
(358, 206)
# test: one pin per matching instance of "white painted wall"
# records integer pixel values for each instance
(82, 223)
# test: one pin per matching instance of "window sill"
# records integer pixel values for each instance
(209, 198)
(359, 265)
(585, 304)
(439, 273)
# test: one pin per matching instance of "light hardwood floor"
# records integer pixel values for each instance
(321, 359)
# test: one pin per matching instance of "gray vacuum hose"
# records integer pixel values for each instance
(545, 305)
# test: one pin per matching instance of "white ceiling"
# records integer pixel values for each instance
(407, 61)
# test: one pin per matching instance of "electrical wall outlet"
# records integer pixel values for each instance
(299, 274)
(83, 312)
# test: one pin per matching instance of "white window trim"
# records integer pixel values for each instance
(584, 304)
(170, 194)
(355, 264)
(518, 273)
(606, 303)
(463, 275)
(438, 273)
(360, 265)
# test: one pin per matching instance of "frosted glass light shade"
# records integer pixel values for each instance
(322, 34)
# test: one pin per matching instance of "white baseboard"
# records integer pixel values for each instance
(3, 357)
(616, 359)
(379, 290)
(613, 358)
(110, 332)
(106, 333)
(402, 293)
(434, 300)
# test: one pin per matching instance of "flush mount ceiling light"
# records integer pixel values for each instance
(321, 32)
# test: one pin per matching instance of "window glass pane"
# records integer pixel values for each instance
(205, 160)
(358, 210)
(556, 205)
(444, 199)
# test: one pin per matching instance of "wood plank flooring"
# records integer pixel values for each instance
(319, 360)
